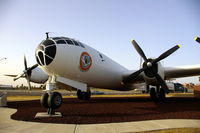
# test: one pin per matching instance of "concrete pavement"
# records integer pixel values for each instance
(8, 125)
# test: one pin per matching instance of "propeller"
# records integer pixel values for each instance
(26, 73)
(150, 66)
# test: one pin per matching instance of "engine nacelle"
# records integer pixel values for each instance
(38, 76)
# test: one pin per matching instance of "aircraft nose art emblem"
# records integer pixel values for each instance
(85, 61)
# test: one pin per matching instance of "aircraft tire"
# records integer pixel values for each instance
(44, 100)
(79, 95)
(153, 94)
(162, 95)
(87, 95)
(55, 100)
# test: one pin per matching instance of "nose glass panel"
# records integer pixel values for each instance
(41, 57)
(45, 52)
(48, 42)
(50, 51)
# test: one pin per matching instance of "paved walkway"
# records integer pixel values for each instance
(8, 125)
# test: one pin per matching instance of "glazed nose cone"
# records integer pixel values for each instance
(45, 52)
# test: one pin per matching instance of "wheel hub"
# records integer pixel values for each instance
(57, 100)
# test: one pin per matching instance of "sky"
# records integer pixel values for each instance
(106, 25)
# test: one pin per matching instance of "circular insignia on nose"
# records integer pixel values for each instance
(85, 61)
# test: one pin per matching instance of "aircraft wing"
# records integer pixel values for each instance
(171, 73)
(181, 71)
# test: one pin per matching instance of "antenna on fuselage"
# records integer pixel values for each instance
(47, 35)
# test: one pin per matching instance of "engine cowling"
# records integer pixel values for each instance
(38, 76)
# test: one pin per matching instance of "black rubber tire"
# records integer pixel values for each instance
(83, 95)
(44, 100)
(55, 100)
(79, 95)
(86, 95)
(162, 95)
(153, 94)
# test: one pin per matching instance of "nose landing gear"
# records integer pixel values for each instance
(51, 101)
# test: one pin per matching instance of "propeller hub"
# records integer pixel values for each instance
(151, 69)
(149, 64)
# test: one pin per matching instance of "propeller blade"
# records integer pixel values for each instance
(166, 54)
(29, 70)
(197, 39)
(33, 67)
(25, 63)
(139, 50)
(133, 76)
(29, 84)
(162, 83)
(19, 76)
(10, 75)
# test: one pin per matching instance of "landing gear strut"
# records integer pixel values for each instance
(51, 101)
(83, 95)
(157, 94)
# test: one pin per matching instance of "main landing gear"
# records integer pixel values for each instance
(51, 101)
(83, 95)
(157, 94)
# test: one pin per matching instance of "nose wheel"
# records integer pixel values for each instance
(51, 101)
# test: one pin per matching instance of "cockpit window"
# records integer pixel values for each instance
(64, 40)
(56, 38)
(81, 44)
(76, 43)
(69, 42)
(60, 42)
